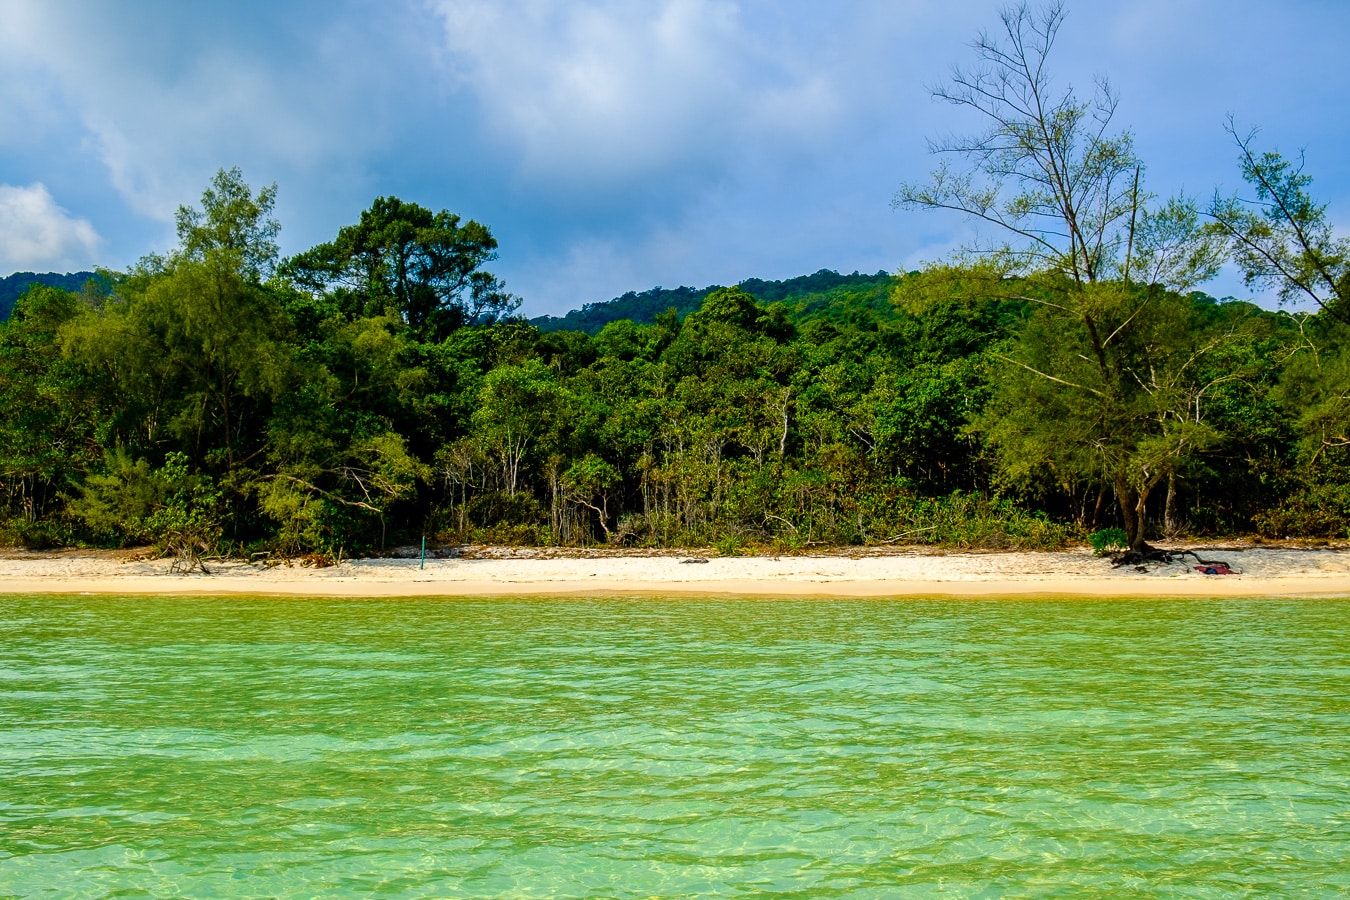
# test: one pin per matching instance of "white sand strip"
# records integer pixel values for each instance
(1266, 572)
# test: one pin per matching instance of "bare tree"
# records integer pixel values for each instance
(1046, 169)
(1086, 392)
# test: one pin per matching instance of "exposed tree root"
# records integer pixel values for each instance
(1145, 556)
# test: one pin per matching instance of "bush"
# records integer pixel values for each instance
(178, 510)
(115, 504)
(1318, 510)
(977, 521)
(497, 508)
(42, 534)
(1108, 540)
(189, 521)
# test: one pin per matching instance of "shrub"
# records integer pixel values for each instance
(497, 508)
(978, 521)
(178, 510)
(1318, 510)
(1108, 540)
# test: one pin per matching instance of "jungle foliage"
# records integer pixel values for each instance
(221, 398)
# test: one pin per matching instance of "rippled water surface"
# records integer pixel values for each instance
(660, 748)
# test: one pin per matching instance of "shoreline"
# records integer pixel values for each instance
(1267, 572)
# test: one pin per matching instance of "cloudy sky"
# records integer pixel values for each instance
(611, 145)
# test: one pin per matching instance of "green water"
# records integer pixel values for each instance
(656, 748)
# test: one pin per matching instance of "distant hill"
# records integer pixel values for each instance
(808, 295)
(13, 286)
(824, 294)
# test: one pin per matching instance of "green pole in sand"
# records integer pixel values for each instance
(423, 563)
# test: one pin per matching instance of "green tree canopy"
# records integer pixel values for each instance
(425, 266)
(194, 346)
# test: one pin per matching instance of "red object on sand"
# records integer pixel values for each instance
(1215, 570)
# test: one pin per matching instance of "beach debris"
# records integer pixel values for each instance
(187, 558)
(693, 559)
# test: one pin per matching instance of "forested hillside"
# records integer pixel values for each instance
(807, 295)
(12, 286)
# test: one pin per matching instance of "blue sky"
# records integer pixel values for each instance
(611, 145)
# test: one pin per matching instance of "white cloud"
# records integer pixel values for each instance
(610, 91)
(38, 235)
(165, 94)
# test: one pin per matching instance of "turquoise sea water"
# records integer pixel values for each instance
(668, 748)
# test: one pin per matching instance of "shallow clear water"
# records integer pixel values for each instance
(644, 748)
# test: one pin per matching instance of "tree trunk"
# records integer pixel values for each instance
(229, 435)
(1170, 524)
(555, 506)
(1132, 511)
(783, 436)
(1141, 520)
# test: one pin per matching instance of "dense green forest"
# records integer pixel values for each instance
(1069, 381)
(378, 388)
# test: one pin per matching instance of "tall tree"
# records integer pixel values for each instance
(195, 341)
(517, 406)
(1064, 191)
(1282, 239)
(233, 228)
(1046, 169)
(400, 256)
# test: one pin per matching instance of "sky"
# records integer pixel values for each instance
(610, 145)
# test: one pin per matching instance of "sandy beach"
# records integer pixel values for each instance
(862, 573)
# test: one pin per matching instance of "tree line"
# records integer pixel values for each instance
(1068, 381)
